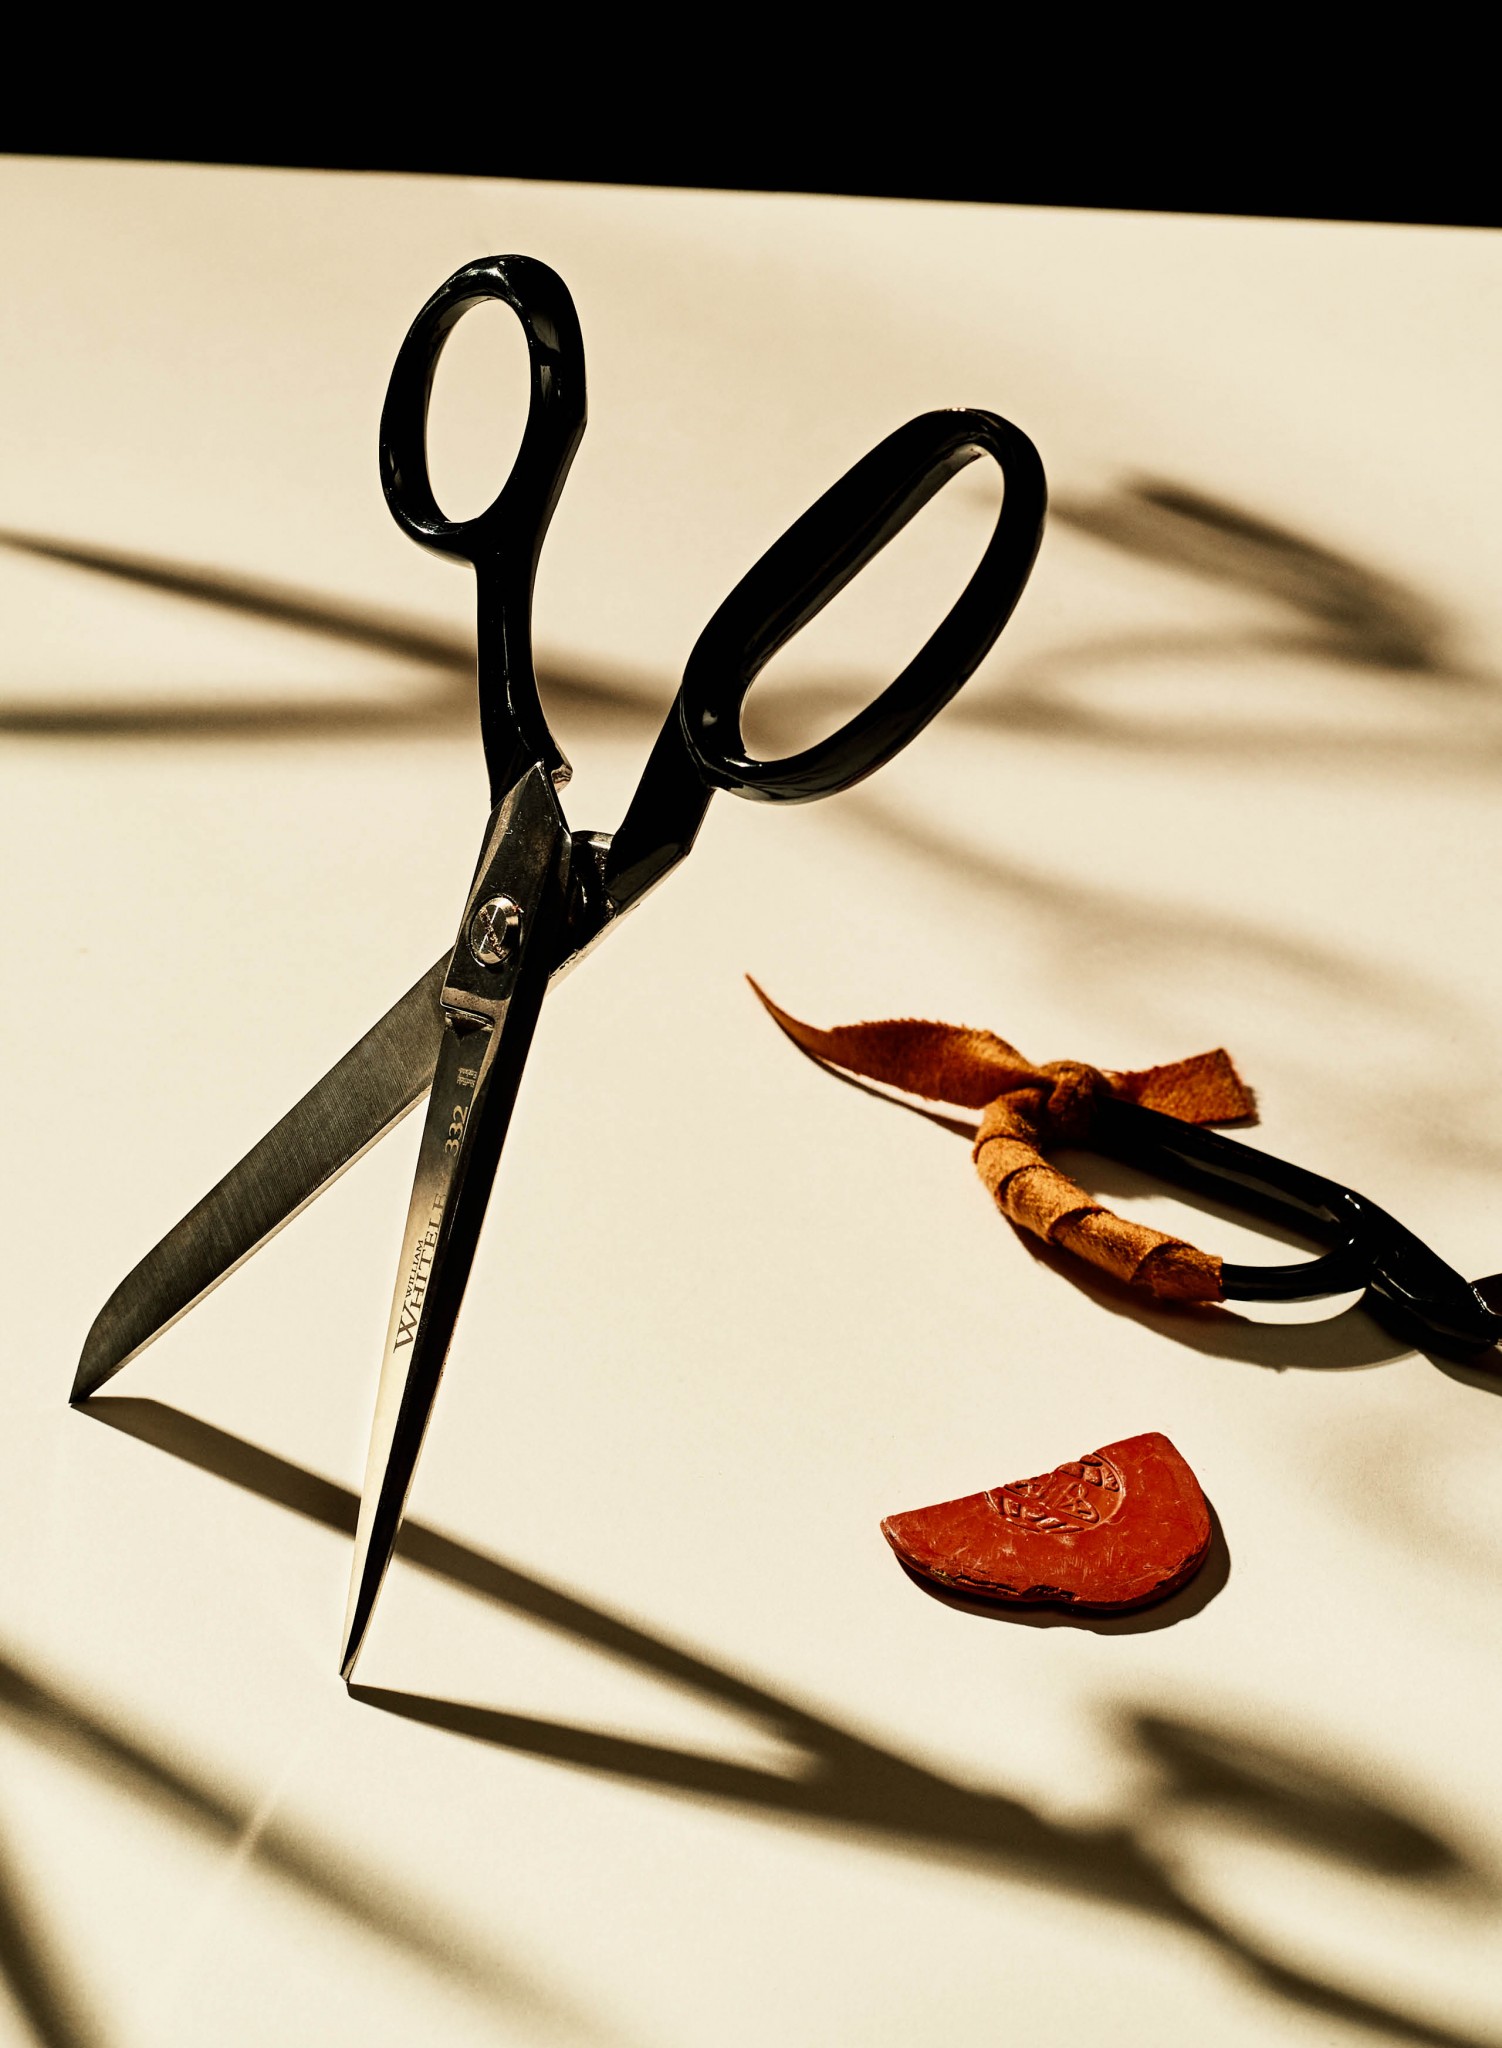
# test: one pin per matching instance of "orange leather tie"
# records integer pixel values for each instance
(1025, 1108)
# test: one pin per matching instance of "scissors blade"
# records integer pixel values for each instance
(479, 1069)
(340, 1118)
(342, 1115)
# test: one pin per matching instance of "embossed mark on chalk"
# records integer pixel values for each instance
(1071, 1497)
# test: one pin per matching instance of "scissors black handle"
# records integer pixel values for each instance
(505, 540)
(700, 748)
(1406, 1285)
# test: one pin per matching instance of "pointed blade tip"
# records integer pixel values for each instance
(361, 1606)
(98, 1363)
(353, 1640)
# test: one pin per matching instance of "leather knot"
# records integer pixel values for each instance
(1071, 1103)
(1024, 1108)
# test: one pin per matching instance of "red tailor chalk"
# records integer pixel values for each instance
(1114, 1530)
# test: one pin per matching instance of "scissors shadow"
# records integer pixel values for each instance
(441, 697)
(1067, 919)
(1320, 602)
(867, 1791)
(36, 1976)
(1316, 602)
(1324, 602)
(32, 1966)
(1299, 603)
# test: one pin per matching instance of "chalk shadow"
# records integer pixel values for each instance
(1208, 1583)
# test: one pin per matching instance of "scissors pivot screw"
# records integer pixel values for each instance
(494, 929)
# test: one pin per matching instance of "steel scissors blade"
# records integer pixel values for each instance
(543, 896)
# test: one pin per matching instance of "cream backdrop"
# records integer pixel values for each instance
(664, 1748)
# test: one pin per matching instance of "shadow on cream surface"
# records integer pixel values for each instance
(34, 1959)
(868, 1793)
(439, 699)
(1308, 603)
(1311, 602)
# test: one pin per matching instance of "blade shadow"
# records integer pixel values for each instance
(131, 1762)
(33, 1974)
(866, 1791)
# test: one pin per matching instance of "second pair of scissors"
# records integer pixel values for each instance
(542, 896)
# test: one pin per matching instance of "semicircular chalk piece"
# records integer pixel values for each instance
(1116, 1529)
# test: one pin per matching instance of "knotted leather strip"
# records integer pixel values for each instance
(1025, 1108)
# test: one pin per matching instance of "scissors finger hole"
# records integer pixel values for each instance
(477, 409)
(850, 650)
(1233, 1232)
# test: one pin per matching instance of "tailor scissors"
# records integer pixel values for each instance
(542, 896)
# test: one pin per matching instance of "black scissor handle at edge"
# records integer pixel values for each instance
(701, 749)
(812, 563)
(504, 541)
(1406, 1285)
